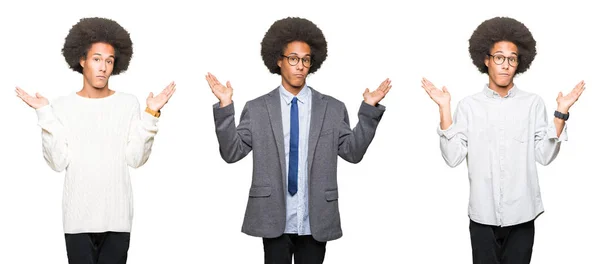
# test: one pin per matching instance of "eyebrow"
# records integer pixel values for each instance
(110, 56)
(294, 53)
(502, 52)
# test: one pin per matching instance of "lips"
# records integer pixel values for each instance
(101, 77)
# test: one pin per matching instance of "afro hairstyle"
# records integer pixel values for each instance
(93, 30)
(288, 30)
(499, 29)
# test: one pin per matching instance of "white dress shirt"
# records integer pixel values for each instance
(502, 138)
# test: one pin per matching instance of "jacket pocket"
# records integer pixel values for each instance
(260, 191)
(331, 195)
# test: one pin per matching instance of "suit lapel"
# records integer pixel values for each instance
(273, 102)
(317, 116)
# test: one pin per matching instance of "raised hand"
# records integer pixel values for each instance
(223, 93)
(565, 102)
(157, 102)
(34, 102)
(375, 96)
(440, 97)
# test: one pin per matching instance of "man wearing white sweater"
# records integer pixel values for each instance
(94, 134)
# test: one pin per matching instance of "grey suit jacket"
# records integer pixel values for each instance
(260, 130)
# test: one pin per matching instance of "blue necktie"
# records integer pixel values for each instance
(294, 137)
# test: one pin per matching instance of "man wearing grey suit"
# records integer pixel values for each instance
(296, 134)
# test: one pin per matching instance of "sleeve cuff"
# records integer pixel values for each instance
(448, 132)
(220, 112)
(563, 134)
(373, 111)
(149, 119)
(44, 113)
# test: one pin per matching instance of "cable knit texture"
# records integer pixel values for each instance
(94, 140)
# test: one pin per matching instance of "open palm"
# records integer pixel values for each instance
(157, 102)
(222, 92)
(565, 102)
(440, 97)
(378, 94)
(35, 102)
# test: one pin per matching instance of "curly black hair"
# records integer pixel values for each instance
(288, 30)
(499, 29)
(93, 30)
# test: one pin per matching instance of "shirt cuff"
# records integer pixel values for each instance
(563, 134)
(449, 132)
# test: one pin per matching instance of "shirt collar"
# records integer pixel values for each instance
(302, 95)
(493, 94)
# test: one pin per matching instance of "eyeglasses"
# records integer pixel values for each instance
(293, 60)
(499, 59)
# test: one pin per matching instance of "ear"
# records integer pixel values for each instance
(487, 61)
(82, 61)
(279, 62)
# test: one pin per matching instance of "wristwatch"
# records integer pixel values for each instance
(561, 115)
(152, 112)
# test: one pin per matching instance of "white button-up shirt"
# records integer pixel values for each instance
(502, 138)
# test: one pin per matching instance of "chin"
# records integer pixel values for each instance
(502, 83)
(100, 86)
(298, 84)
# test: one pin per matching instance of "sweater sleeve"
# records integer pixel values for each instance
(141, 137)
(54, 139)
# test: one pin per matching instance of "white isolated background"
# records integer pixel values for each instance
(401, 204)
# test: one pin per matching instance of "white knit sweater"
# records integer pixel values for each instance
(95, 140)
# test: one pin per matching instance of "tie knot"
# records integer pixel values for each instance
(295, 100)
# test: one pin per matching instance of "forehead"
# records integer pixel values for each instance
(299, 48)
(504, 47)
(102, 48)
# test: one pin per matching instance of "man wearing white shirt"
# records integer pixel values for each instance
(502, 131)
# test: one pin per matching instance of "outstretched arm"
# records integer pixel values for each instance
(453, 134)
(548, 138)
(143, 128)
(234, 143)
(353, 143)
(54, 140)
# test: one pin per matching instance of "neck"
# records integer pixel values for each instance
(91, 92)
(501, 90)
(292, 89)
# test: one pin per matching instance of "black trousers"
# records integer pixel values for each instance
(305, 249)
(502, 245)
(97, 248)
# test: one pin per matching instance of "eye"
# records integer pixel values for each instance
(96, 59)
(109, 62)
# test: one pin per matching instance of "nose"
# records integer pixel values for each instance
(300, 65)
(103, 66)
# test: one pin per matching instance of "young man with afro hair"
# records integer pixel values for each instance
(296, 134)
(94, 134)
(502, 131)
